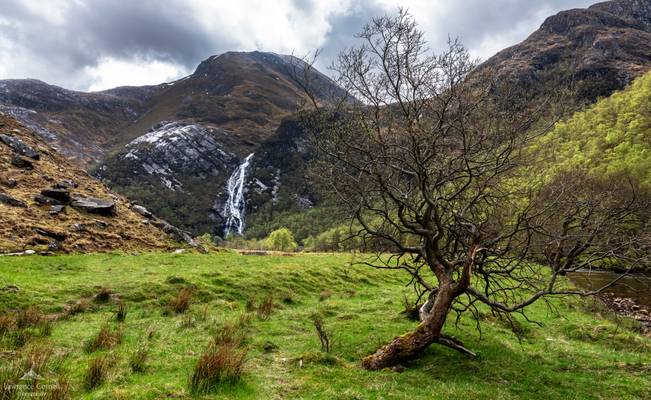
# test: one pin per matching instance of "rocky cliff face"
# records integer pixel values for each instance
(595, 50)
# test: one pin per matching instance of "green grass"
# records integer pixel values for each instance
(575, 354)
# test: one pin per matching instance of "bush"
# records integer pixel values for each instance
(281, 240)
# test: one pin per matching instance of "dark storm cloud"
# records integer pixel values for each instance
(61, 49)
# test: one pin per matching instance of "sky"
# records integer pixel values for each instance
(93, 45)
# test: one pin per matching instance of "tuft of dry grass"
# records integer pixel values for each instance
(266, 307)
(250, 304)
(106, 338)
(223, 363)
(325, 295)
(138, 360)
(45, 328)
(81, 306)
(31, 316)
(96, 372)
(59, 391)
(121, 312)
(8, 324)
(233, 332)
(181, 303)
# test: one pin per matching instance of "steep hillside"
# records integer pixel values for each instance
(595, 51)
(613, 135)
(47, 204)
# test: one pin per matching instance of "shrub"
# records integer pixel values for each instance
(281, 240)
(223, 363)
(266, 307)
(324, 336)
(105, 339)
(181, 303)
(121, 312)
(138, 360)
(96, 372)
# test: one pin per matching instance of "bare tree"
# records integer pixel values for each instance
(429, 164)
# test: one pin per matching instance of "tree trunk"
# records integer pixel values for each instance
(412, 344)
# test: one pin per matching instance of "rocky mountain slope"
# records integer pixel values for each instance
(48, 204)
(595, 51)
(246, 94)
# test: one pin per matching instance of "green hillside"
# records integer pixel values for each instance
(613, 135)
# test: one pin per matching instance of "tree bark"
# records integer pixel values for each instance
(412, 344)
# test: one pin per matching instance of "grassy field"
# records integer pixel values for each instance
(579, 352)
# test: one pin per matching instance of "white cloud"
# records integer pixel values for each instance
(96, 44)
(110, 73)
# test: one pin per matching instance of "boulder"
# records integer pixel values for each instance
(21, 162)
(46, 201)
(8, 182)
(65, 184)
(11, 201)
(62, 195)
(94, 205)
(142, 211)
(19, 147)
(56, 209)
(56, 235)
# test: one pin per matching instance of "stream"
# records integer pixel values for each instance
(633, 286)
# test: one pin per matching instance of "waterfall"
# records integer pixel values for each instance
(234, 207)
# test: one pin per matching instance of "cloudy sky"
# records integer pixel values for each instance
(98, 44)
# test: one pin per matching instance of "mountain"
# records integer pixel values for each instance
(49, 204)
(596, 50)
(200, 130)
(245, 94)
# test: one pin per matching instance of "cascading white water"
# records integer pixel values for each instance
(234, 207)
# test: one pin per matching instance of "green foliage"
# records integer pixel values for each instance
(302, 223)
(612, 136)
(281, 240)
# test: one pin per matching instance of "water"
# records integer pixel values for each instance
(234, 207)
(634, 286)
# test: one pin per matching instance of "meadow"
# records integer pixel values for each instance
(124, 326)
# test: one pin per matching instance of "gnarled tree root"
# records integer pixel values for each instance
(408, 347)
